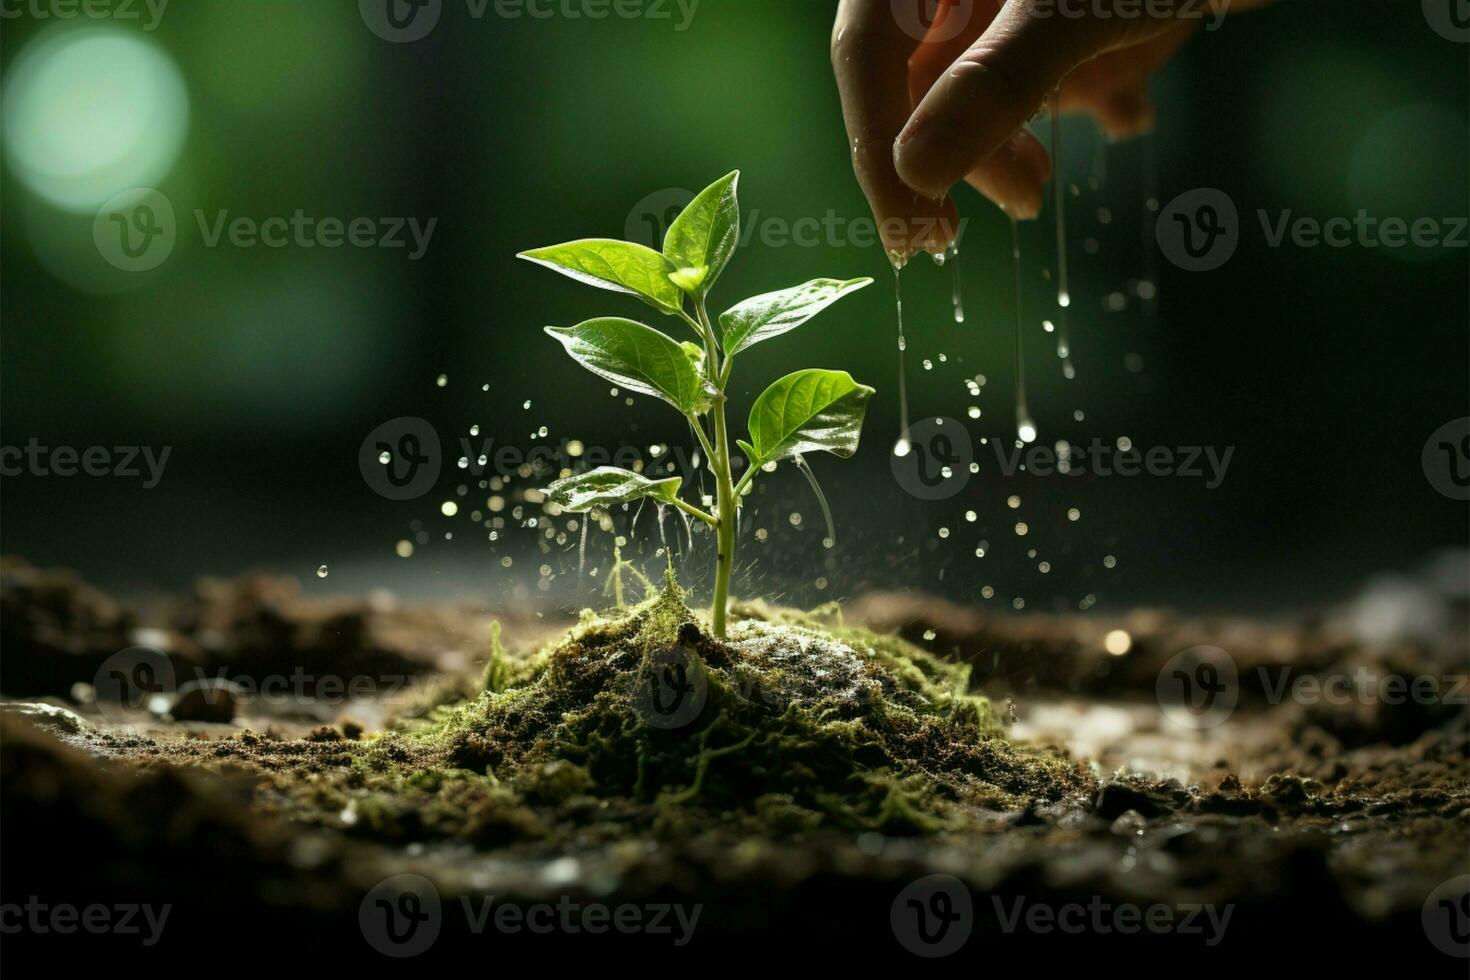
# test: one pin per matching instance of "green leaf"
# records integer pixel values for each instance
(619, 266)
(807, 411)
(702, 239)
(609, 485)
(638, 358)
(763, 317)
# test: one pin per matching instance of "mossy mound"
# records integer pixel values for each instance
(787, 725)
(642, 724)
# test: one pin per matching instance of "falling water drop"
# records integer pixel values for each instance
(321, 571)
(385, 457)
(1059, 204)
(1025, 427)
(830, 540)
(582, 549)
(959, 289)
(901, 447)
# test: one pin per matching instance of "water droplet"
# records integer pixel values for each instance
(385, 457)
(321, 571)
(442, 380)
(1074, 514)
(449, 508)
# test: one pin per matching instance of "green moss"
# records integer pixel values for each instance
(641, 723)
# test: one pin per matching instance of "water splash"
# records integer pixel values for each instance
(582, 548)
(830, 541)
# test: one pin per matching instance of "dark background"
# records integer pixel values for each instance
(1326, 369)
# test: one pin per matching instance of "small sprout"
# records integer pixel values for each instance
(806, 411)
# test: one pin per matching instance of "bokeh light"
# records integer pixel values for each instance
(92, 111)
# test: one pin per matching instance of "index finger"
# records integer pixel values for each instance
(872, 42)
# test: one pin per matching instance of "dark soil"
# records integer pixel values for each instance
(793, 780)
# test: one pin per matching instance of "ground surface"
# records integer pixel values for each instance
(833, 776)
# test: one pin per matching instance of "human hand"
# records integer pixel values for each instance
(929, 103)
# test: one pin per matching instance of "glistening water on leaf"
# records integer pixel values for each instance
(622, 267)
(806, 411)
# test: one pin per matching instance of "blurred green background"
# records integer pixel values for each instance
(264, 369)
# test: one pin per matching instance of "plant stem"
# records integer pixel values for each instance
(725, 487)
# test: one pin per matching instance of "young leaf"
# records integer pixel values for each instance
(808, 411)
(702, 239)
(638, 358)
(609, 485)
(763, 317)
(619, 266)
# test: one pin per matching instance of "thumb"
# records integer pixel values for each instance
(1000, 82)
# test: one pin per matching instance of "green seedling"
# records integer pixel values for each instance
(806, 411)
